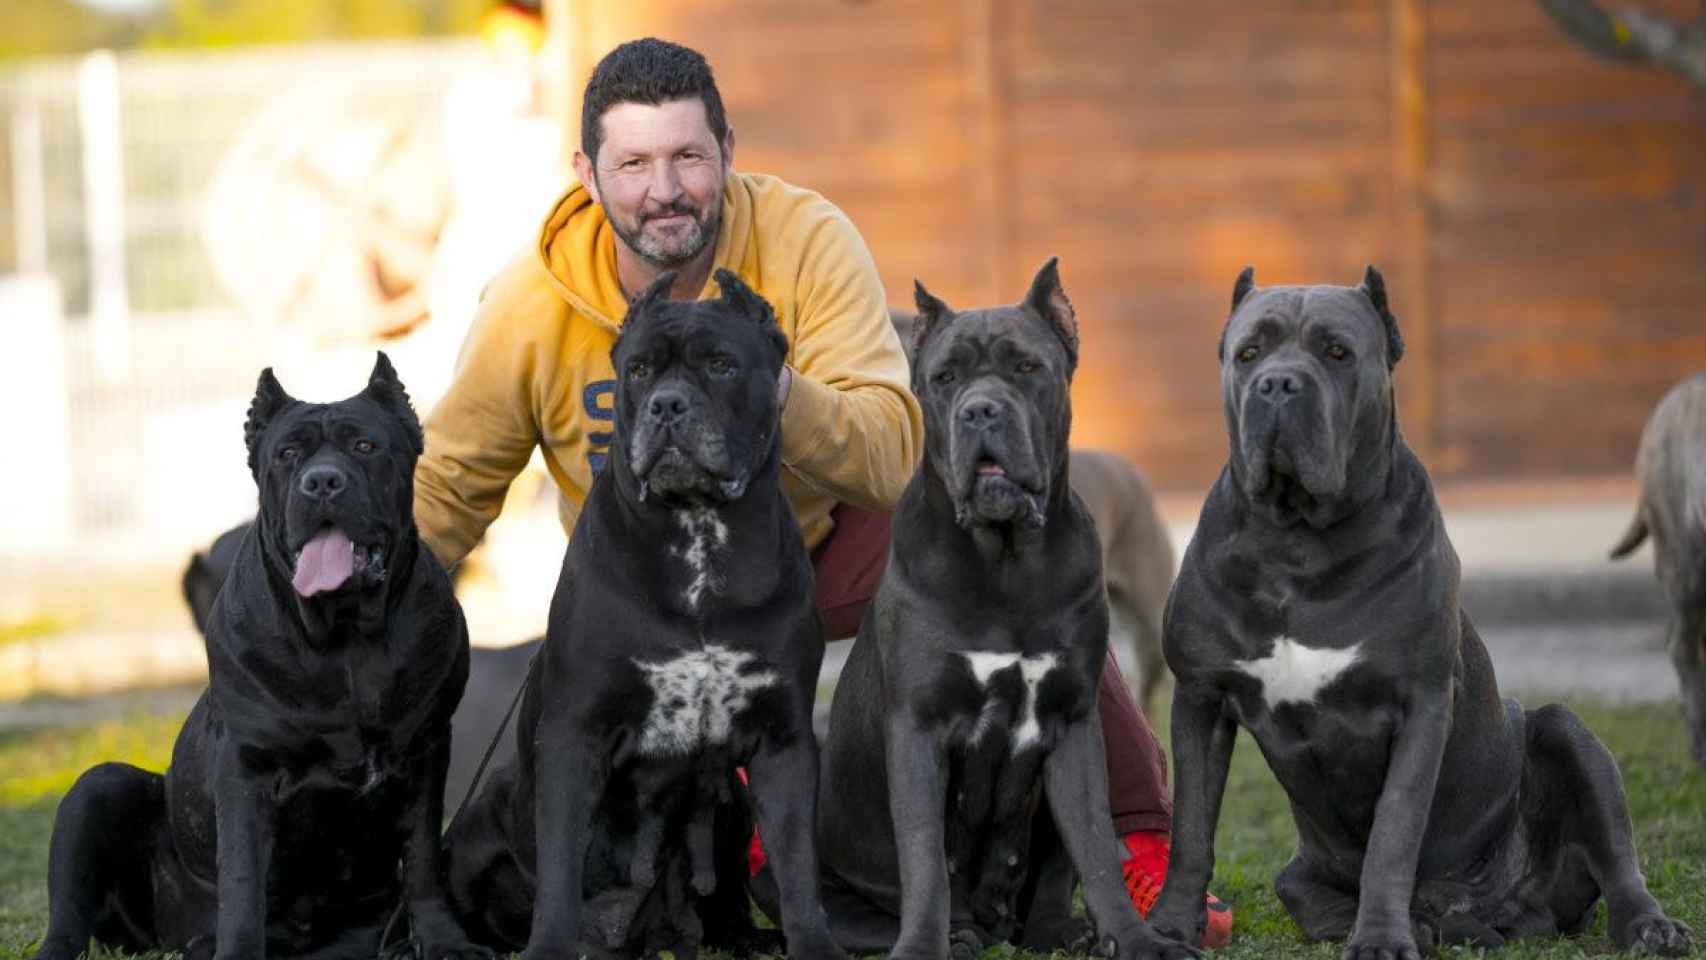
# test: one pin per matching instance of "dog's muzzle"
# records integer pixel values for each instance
(995, 477)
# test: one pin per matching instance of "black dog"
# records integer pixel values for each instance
(303, 802)
(682, 641)
(494, 673)
(965, 720)
(1318, 607)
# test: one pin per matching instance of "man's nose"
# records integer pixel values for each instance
(665, 187)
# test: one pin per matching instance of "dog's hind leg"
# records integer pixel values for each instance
(1573, 798)
(100, 862)
(1046, 903)
(1686, 641)
(1324, 911)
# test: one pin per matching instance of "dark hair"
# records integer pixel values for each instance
(649, 71)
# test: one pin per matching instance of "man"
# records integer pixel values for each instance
(658, 192)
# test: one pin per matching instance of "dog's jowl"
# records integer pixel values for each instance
(682, 643)
(303, 801)
(1317, 607)
(965, 780)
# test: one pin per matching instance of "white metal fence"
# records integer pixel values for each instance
(124, 367)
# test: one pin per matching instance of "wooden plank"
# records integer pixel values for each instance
(1412, 278)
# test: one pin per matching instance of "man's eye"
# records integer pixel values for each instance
(1247, 354)
(1338, 352)
(639, 370)
(364, 445)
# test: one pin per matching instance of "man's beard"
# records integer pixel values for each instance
(682, 247)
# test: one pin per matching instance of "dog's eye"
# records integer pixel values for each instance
(1027, 366)
(720, 366)
(1247, 354)
(1338, 352)
(943, 378)
(639, 370)
(364, 445)
(287, 453)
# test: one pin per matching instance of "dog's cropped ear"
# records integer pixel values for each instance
(385, 389)
(1048, 299)
(270, 400)
(652, 294)
(1374, 287)
(737, 294)
(932, 313)
(1241, 288)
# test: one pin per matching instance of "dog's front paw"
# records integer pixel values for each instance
(1382, 946)
(1657, 934)
(1144, 943)
(1068, 934)
(435, 935)
(1182, 922)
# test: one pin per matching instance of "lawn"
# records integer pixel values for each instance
(1667, 793)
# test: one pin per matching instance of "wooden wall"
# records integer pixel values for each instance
(1541, 216)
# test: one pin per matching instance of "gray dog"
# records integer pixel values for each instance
(964, 778)
(1671, 469)
(1137, 553)
(1318, 608)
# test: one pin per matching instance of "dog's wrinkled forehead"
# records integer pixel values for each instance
(1345, 313)
(995, 333)
(671, 326)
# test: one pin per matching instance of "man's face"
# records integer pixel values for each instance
(659, 176)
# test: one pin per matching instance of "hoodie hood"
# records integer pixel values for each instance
(577, 246)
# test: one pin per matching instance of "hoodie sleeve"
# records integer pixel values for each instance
(850, 425)
(482, 432)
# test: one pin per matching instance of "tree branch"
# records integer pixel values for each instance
(1634, 35)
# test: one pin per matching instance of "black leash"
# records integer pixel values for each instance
(479, 772)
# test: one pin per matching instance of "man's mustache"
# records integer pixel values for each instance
(673, 210)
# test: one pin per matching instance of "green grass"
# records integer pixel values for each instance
(1667, 796)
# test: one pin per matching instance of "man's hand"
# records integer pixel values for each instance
(784, 380)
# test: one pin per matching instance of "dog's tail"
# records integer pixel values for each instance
(1633, 537)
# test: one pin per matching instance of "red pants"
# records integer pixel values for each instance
(850, 563)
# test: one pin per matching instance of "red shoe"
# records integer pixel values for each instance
(1146, 869)
(755, 857)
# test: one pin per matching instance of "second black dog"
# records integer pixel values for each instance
(682, 642)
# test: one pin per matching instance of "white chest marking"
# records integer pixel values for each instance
(1294, 673)
(698, 695)
(985, 665)
(706, 535)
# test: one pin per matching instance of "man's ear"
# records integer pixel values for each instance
(588, 176)
(728, 146)
(387, 391)
(270, 400)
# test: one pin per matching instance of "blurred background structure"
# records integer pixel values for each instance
(241, 183)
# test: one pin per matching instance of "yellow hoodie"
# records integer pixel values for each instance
(535, 368)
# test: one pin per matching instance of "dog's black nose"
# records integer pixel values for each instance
(322, 482)
(1279, 386)
(981, 412)
(667, 404)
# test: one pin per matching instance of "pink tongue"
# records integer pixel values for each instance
(325, 564)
